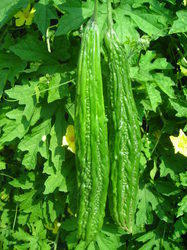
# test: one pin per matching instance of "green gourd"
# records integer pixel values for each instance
(91, 136)
(124, 133)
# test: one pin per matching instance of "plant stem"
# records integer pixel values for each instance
(95, 10)
(15, 217)
(56, 241)
(109, 9)
(6, 175)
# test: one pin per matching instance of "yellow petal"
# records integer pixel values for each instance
(19, 14)
(72, 147)
(180, 143)
(181, 133)
(32, 11)
(183, 151)
(70, 132)
(29, 20)
(20, 21)
(69, 138)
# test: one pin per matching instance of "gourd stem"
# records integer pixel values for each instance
(95, 10)
(109, 9)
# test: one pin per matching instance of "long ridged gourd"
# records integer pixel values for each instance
(91, 136)
(124, 133)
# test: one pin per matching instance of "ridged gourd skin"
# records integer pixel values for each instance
(124, 136)
(91, 135)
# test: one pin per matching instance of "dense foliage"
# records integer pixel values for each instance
(39, 49)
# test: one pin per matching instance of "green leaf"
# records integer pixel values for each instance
(182, 206)
(154, 95)
(57, 88)
(24, 182)
(149, 63)
(15, 128)
(154, 239)
(81, 245)
(165, 84)
(125, 32)
(171, 166)
(2, 165)
(3, 80)
(54, 181)
(30, 48)
(35, 241)
(69, 224)
(153, 171)
(76, 14)
(109, 241)
(22, 235)
(57, 133)
(25, 200)
(44, 13)
(179, 25)
(10, 67)
(151, 22)
(34, 144)
(21, 119)
(180, 106)
(143, 215)
(166, 188)
(183, 179)
(180, 227)
(25, 95)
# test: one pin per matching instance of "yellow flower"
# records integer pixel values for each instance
(25, 16)
(180, 143)
(69, 138)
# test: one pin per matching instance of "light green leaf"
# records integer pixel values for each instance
(54, 181)
(14, 128)
(182, 206)
(165, 84)
(57, 90)
(143, 215)
(25, 95)
(154, 95)
(24, 182)
(57, 133)
(183, 179)
(179, 25)
(21, 235)
(153, 171)
(147, 66)
(34, 144)
(2, 165)
(180, 106)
